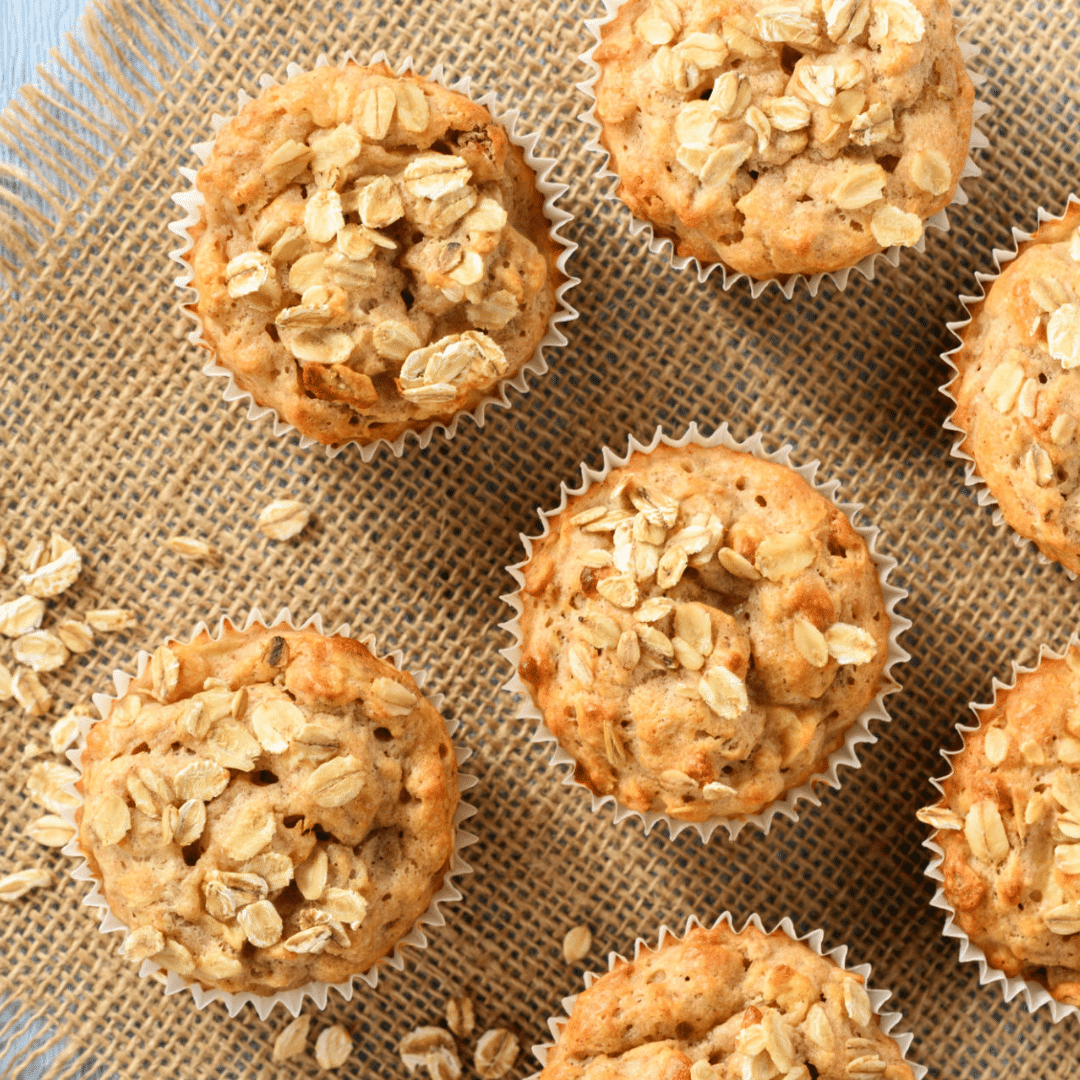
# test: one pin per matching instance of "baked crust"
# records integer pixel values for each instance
(1018, 396)
(323, 801)
(1012, 807)
(615, 655)
(780, 137)
(322, 267)
(722, 1006)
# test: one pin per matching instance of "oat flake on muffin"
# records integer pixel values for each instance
(1009, 827)
(372, 256)
(267, 809)
(784, 136)
(721, 1005)
(1018, 390)
(700, 630)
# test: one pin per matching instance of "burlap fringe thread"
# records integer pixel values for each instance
(63, 141)
(292, 1000)
(972, 478)
(857, 734)
(1035, 994)
(665, 248)
(814, 939)
(191, 202)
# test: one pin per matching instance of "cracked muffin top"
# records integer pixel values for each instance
(1018, 391)
(372, 256)
(784, 136)
(724, 1006)
(1009, 824)
(700, 630)
(268, 809)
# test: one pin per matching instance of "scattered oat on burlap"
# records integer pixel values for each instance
(112, 436)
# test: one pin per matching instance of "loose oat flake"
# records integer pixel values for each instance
(496, 1052)
(577, 944)
(283, 519)
(291, 1040)
(333, 1047)
(17, 885)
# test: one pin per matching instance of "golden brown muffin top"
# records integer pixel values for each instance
(1009, 825)
(700, 630)
(372, 255)
(1018, 390)
(784, 136)
(267, 809)
(724, 1006)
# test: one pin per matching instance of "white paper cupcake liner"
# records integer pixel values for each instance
(191, 202)
(787, 285)
(292, 1000)
(814, 939)
(972, 478)
(1035, 994)
(858, 733)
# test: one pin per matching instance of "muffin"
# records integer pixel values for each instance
(724, 1006)
(1018, 391)
(784, 136)
(1009, 827)
(700, 630)
(372, 255)
(268, 809)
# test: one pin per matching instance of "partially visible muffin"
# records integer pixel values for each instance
(268, 809)
(724, 1006)
(372, 256)
(1018, 390)
(1009, 825)
(784, 136)
(700, 630)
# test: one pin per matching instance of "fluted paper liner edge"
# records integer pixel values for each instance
(858, 733)
(292, 1000)
(1035, 994)
(191, 202)
(814, 939)
(972, 477)
(665, 247)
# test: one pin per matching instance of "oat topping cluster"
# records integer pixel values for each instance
(268, 809)
(392, 244)
(1018, 391)
(697, 650)
(804, 134)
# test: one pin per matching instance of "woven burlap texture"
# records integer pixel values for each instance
(114, 437)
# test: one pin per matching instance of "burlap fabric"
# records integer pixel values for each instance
(113, 436)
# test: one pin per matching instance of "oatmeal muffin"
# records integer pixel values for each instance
(784, 136)
(724, 1006)
(700, 630)
(1009, 825)
(268, 809)
(373, 254)
(1018, 391)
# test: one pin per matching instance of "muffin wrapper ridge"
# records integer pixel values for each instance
(814, 939)
(292, 1000)
(787, 285)
(1035, 994)
(972, 477)
(191, 202)
(858, 733)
